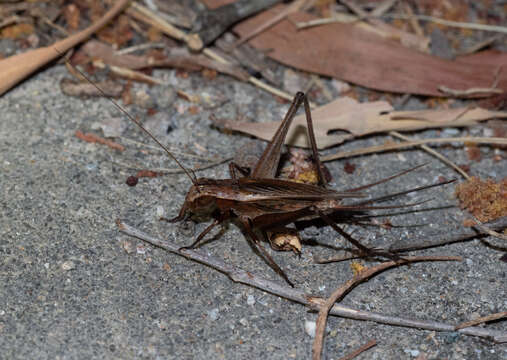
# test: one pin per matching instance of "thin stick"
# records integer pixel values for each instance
(260, 84)
(362, 349)
(463, 25)
(464, 234)
(483, 319)
(457, 24)
(389, 147)
(487, 230)
(239, 275)
(339, 293)
(139, 47)
(434, 153)
(470, 91)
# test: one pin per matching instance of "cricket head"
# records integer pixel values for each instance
(200, 201)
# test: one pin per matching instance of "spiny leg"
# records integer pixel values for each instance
(234, 168)
(268, 163)
(313, 143)
(201, 235)
(365, 250)
(254, 240)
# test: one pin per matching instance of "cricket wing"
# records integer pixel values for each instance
(277, 189)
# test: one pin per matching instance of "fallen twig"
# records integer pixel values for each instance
(487, 230)
(462, 25)
(259, 282)
(464, 234)
(407, 144)
(434, 153)
(362, 349)
(363, 275)
(471, 91)
(483, 319)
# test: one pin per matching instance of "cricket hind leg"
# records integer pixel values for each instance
(369, 252)
(313, 143)
(256, 244)
(235, 168)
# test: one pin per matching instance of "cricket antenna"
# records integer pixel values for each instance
(125, 112)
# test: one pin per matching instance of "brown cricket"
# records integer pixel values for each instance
(262, 203)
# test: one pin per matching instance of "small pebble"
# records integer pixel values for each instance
(250, 300)
(413, 353)
(68, 265)
(213, 314)
(128, 247)
(141, 249)
(160, 211)
(450, 132)
(310, 327)
(469, 262)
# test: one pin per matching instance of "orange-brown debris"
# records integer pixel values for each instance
(486, 200)
(92, 138)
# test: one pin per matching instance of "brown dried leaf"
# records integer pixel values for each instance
(349, 53)
(285, 239)
(357, 119)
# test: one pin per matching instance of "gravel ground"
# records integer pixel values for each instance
(73, 287)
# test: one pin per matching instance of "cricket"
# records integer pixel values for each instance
(259, 202)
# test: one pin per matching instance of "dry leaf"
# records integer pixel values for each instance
(353, 119)
(285, 239)
(346, 52)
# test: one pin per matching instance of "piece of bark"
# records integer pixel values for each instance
(349, 53)
(357, 119)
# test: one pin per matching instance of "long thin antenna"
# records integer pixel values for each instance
(193, 179)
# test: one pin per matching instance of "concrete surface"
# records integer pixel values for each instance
(73, 287)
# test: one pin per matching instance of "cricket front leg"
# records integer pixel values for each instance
(180, 217)
(201, 235)
(254, 240)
